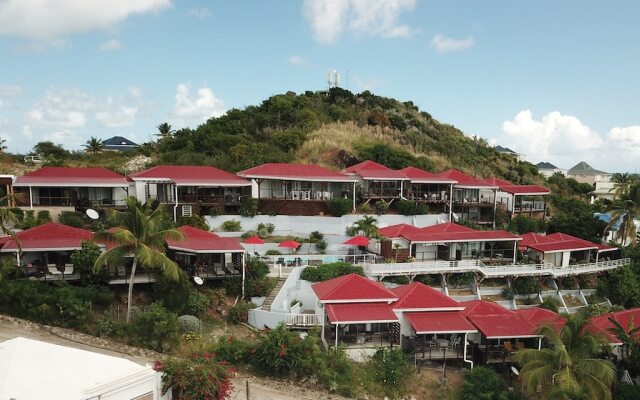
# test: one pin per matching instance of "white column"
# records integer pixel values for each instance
(451, 202)
(515, 250)
(243, 273)
(495, 204)
(30, 198)
(337, 326)
(175, 207)
(353, 195)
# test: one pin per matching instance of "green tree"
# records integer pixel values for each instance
(568, 366)
(50, 150)
(625, 335)
(140, 232)
(482, 383)
(622, 183)
(164, 130)
(93, 146)
(3, 145)
(8, 219)
(366, 225)
(626, 211)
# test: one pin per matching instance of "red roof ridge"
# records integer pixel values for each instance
(418, 296)
(356, 287)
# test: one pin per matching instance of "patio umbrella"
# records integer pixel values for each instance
(357, 241)
(291, 244)
(254, 240)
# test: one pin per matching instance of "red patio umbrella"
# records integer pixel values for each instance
(357, 241)
(291, 244)
(254, 240)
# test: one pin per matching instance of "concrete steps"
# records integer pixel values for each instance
(272, 296)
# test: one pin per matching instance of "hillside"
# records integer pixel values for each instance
(335, 128)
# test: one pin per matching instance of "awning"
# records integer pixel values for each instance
(439, 322)
(511, 326)
(360, 313)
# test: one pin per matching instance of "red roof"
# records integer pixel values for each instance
(417, 175)
(360, 313)
(439, 322)
(190, 175)
(464, 180)
(200, 241)
(372, 170)
(601, 324)
(395, 231)
(539, 317)
(67, 176)
(495, 321)
(352, 288)
(302, 172)
(509, 187)
(452, 232)
(48, 237)
(418, 296)
(556, 242)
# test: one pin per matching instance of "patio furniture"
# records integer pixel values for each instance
(508, 347)
(442, 343)
(521, 345)
(53, 270)
(68, 269)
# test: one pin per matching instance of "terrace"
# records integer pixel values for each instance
(378, 182)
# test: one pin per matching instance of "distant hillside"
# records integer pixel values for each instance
(336, 128)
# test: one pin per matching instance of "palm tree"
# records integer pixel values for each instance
(3, 145)
(568, 367)
(8, 220)
(626, 211)
(164, 130)
(93, 145)
(367, 225)
(622, 183)
(140, 234)
(626, 336)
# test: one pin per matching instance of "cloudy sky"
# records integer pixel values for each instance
(557, 81)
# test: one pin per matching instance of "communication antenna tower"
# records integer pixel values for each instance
(333, 78)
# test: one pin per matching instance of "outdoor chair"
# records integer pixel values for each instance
(508, 347)
(68, 269)
(53, 270)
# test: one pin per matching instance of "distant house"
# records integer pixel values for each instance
(119, 143)
(509, 152)
(473, 199)
(377, 181)
(529, 200)
(547, 169)
(585, 173)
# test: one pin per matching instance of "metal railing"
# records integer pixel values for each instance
(441, 267)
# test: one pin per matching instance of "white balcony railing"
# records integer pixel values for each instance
(441, 267)
(303, 319)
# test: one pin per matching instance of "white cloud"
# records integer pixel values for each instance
(444, 44)
(330, 18)
(61, 109)
(367, 84)
(112, 44)
(115, 115)
(565, 140)
(11, 91)
(298, 61)
(200, 13)
(198, 108)
(42, 20)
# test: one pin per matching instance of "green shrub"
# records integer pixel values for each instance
(316, 236)
(189, 323)
(482, 383)
(522, 224)
(550, 303)
(199, 377)
(381, 207)
(71, 218)
(409, 207)
(194, 220)
(156, 328)
(232, 350)
(268, 227)
(83, 262)
(273, 252)
(231, 225)
(338, 372)
(174, 294)
(281, 352)
(460, 280)
(389, 369)
(526, 285)
(108, 327)
(239, 313)
(325, 272)
(321, 245)
(29, 220)
(197, 304)
(249, 207)
(339, 206)
(43, 217)
(400, 280)
(623, 391)
(256, 269)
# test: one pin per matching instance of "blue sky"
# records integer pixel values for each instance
(557, 81)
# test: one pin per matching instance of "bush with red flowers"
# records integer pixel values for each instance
(200, 378)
